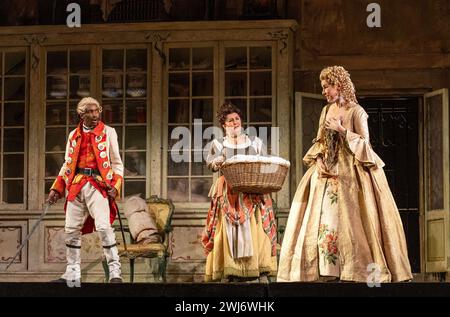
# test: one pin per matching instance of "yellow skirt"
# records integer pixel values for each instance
(220, 264)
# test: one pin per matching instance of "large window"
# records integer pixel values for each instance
(68, 79)
(13, 85)
(190, 102)
(248, 85)
(197, 78)
(124, 99)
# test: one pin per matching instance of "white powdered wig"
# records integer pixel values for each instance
(81, 107)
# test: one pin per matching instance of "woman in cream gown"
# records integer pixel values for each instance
(343, 222)
(240, 232)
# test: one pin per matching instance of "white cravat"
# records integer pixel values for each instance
(87, 129)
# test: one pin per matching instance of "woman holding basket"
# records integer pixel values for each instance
(239, 238)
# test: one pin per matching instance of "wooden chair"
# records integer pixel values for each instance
(161, 211)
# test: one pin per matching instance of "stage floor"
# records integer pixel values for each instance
(218, 290)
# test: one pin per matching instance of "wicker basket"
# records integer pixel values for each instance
(255, 175)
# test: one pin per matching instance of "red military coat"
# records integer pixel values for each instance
(109, 164)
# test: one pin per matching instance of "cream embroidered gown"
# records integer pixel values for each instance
(347, 225)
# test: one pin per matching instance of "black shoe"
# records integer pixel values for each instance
(116, 280)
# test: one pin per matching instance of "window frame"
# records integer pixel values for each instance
(5, 206)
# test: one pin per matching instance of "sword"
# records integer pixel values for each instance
(29, 235)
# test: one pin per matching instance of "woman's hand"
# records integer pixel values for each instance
(217, 162)
(335, 124)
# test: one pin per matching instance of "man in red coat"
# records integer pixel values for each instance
(92, 175)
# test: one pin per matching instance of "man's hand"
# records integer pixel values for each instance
(112, 192)
(53, 197)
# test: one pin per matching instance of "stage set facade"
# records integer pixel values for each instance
(154, 76)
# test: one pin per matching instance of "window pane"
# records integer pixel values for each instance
(56, 114)
(13, 191)
(202, 109)
(179, 111)
(180, 134)
(260, 57)
(175, 167)
(202, 58)
(80, 61)
(55, 139)
(200, 189)
(53, 163)
(14, 114)
(236, 84)
(178, 85)
(112, 112)
(13, 140)
(136, 112)
(235, 57)
(133, 187)
(199, 137)
(80, 85)
(13, 165)
(113, 59)
(137, 60)
(135, 164)
(198, 164)
(136, 83)
(15, 63)
(47, 186)
(178, 58)
(261, 84)
(178, 189)
(261, 110)
(73, 115)
(435, 165)
(56, 62)
(119, 136)
(84, 84)
(112, 83)
(202, 84)
(14, 88)
(135, 138)
(57, 87)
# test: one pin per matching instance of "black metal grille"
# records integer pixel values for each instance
(393, 125)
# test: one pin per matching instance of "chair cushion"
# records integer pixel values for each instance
(142, 248)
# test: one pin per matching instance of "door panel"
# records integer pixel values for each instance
(307, 114)
(436, 184)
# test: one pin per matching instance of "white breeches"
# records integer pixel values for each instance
(89, 202)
